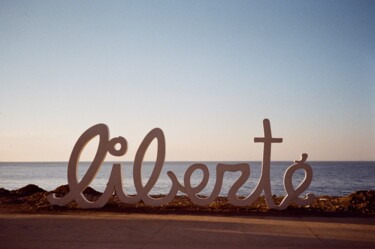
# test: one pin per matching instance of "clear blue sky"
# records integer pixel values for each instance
(206, 72)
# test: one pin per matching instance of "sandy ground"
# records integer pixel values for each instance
(109, 230)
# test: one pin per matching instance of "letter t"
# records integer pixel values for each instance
(265, 180)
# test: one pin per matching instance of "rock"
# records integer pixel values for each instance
(61, 190)
(28, 190)
(4, 192)
(89, 192)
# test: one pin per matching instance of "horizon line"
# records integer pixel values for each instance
(190, 161)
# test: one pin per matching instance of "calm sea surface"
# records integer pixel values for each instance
(330, 178)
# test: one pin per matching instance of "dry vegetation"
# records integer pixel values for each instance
(32, 199)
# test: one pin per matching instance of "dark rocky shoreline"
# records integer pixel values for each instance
(32, 199)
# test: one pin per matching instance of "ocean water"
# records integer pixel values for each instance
(329, 178)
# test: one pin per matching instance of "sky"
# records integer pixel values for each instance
(206, 72)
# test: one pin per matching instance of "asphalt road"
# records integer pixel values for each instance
(178, 231)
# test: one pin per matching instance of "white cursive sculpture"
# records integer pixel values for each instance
(114, 184)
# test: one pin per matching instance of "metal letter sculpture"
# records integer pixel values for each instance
(114, 184)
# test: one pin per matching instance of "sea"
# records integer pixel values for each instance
(332, 178)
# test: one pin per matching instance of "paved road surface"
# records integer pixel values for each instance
(175, 231)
